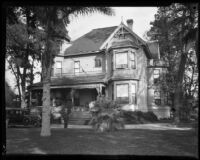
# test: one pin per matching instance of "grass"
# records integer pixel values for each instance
(85, 141)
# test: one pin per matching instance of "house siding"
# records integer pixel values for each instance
(87, 65)
(163, 110)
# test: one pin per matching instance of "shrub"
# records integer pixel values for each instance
(106, 116)
(138, 117)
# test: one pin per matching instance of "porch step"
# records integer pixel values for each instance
(79, 118)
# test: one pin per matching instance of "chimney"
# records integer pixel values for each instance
(130, 23)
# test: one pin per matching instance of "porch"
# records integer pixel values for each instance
(76, 98)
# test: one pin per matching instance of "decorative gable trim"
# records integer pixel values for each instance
(116, 30)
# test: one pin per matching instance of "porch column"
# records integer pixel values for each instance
(72, 95)
(99, 90)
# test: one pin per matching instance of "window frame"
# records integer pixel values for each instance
(134, 95)
(117, 66)
(98, 65)
(157, 98)
(76, 68)
(132, 53)
(56, 73)
(155, 80)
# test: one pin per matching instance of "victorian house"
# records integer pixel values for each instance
(114, 62)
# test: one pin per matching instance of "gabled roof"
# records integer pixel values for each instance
(89, 42)
(96, 40)
(124, 43)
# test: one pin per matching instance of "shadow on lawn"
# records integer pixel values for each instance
(123, 142)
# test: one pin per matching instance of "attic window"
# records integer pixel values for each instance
(121, 60)
(98, 62)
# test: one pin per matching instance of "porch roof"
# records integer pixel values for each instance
(74, 82)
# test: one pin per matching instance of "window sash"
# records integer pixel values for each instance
(133, 91)
(97, 62)
(58, 64)
(157, 97)
(121, 60)
(156, 73)
(77, 66)
(122, 90)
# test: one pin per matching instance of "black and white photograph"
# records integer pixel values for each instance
(102, 80)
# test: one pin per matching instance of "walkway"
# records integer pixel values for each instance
(154, 126)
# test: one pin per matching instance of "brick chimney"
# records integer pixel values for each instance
(130, 23)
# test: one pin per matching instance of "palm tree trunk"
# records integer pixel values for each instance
(46, 79)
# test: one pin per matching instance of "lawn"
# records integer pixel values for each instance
(86, 141)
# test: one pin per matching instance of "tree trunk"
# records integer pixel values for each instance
(46, 110)
(179, 91)
(46, 79)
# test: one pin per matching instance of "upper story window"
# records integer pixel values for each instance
(157, 97)
(122, 93)
(132, 60)
(156, 75)
(76, 66)
(58, 70)
(121, 60)
(98, 62)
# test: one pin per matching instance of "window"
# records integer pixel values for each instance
(76, 66)
(122, 93)
(133, 91)
(121, 60)
(98, 62)
(132, 59)
(58, 70)
(168, 99)
(157, 98)
(156, 75)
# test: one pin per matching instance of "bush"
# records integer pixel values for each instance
(138, 117)
(106, 116)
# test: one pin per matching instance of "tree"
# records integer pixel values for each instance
(176, 25)
(23, 40)
(54, 20)
(10, 95)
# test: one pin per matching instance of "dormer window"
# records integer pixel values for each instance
(121, 60)
(98, 62)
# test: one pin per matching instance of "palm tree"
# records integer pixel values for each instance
(54, 20)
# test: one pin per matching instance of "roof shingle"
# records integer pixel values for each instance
(90, 41)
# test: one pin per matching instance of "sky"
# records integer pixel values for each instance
(142, 16)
